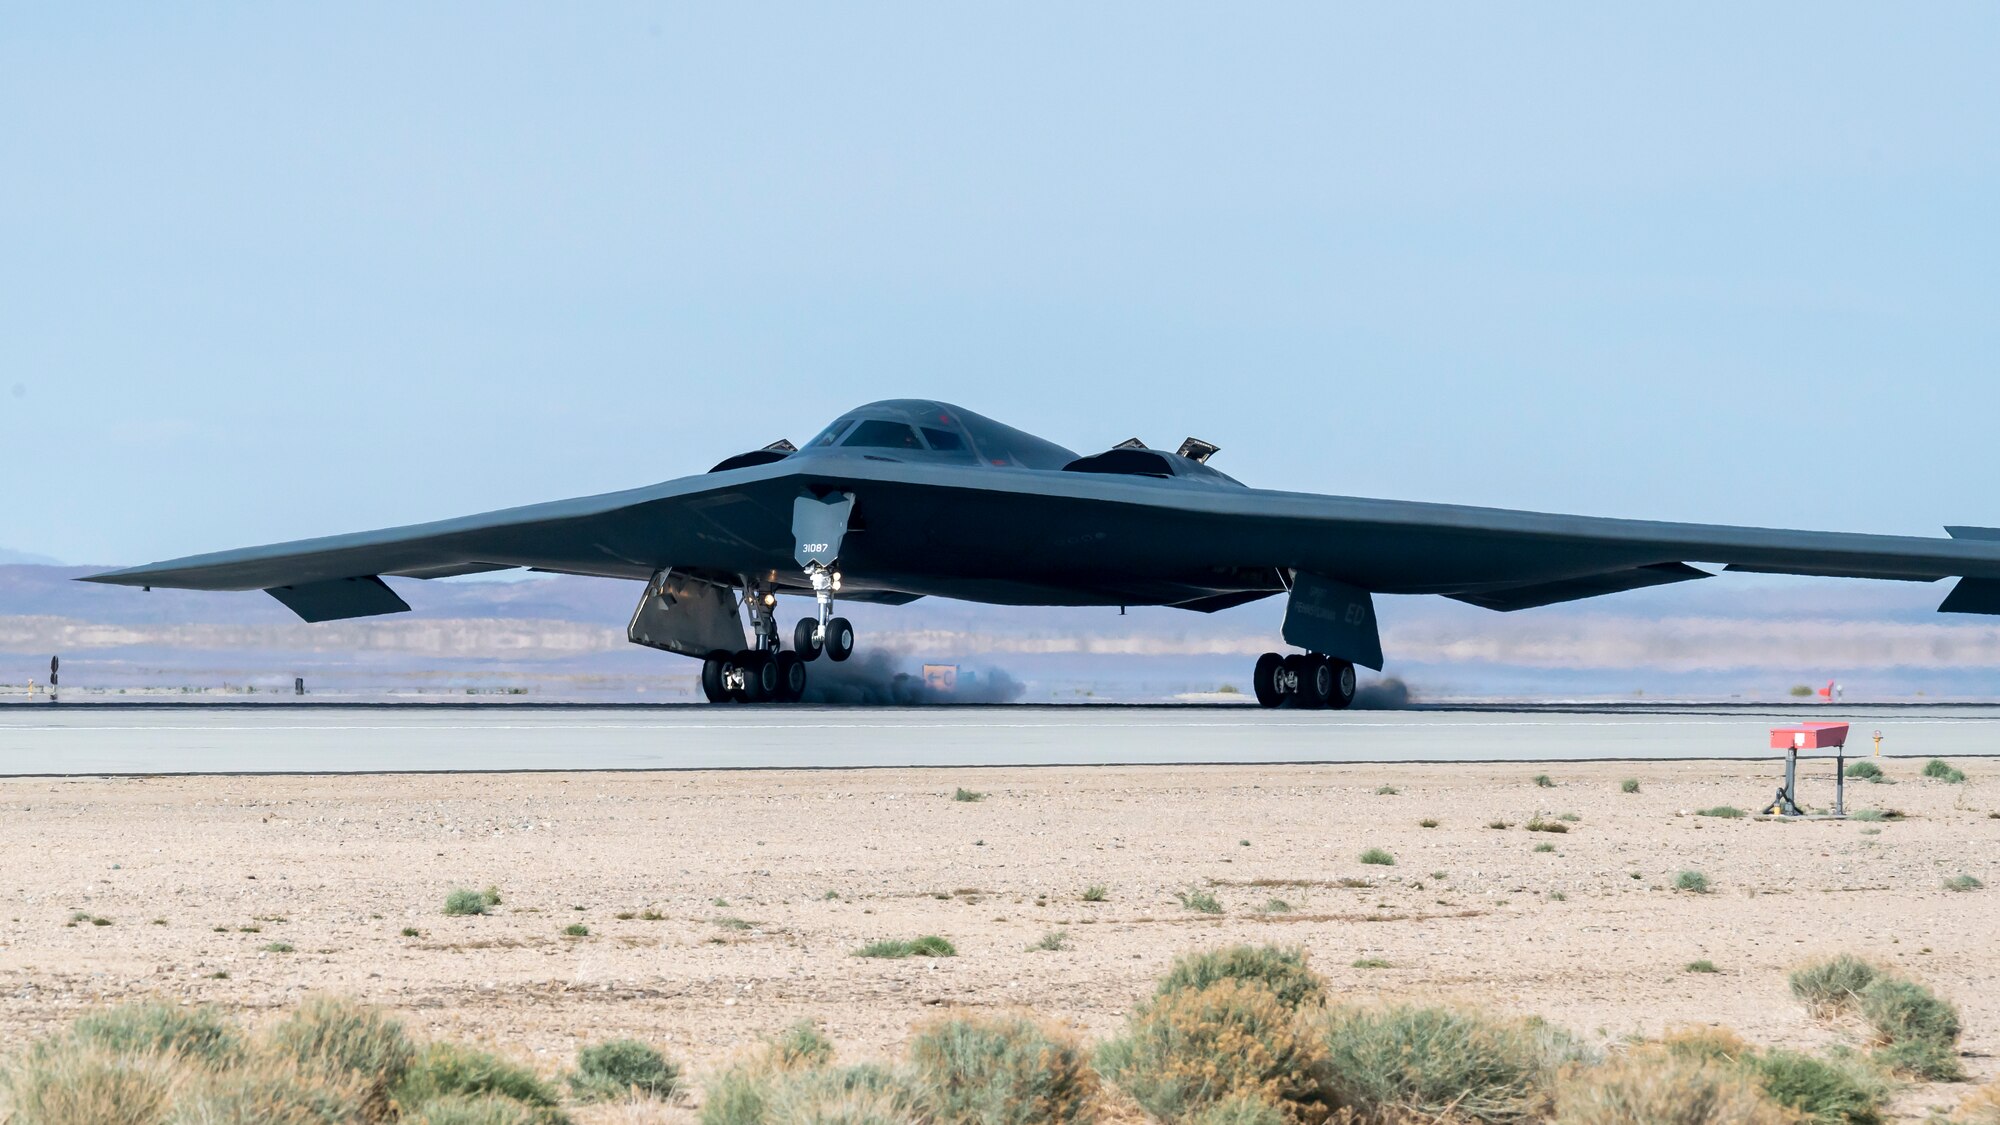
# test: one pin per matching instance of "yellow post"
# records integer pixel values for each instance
(1878, 743)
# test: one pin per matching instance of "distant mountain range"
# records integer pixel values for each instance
(10, 557)
(561, 636)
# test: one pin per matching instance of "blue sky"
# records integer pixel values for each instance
(277, 272)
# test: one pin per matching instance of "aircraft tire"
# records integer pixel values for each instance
(839, 638)
(1299, 664)
(1344, 685)
(1264, 680)
(754, 676)
(791, 669)
(805, 639)
(714, 666)
(1316, 680)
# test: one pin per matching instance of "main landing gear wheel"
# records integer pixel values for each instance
(1271, 682)
(791, 675)
(1343, 685)
(1315, 679)
(715, 670)
(805, 639)
(1303, 679)
(839, 639)
(760, 677)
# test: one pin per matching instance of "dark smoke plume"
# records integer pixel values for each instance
(883, 679)
(1386, 694)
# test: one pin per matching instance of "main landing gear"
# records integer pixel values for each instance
(768, 673)
(1304, 679)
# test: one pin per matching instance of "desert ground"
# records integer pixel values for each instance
(723, 905)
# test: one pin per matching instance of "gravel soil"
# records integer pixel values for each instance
(724, 905)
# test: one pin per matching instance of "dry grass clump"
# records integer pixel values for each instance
(1240, 1110)
(1199, 901)
(69, 1082)
(1865, 770)
(1378, 857)
(459, 1109)
(1191, 1049)
(620, 1068)
(1980, 1107)
(338, 1040)
(272, 1092)
(1001, 1070)
(1392, 1063)
(1282, 969)
(1661, 1089)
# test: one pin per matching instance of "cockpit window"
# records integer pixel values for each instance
(831, 434)
(944, 441)
(874, 433)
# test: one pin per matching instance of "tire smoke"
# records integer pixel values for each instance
(885, 679)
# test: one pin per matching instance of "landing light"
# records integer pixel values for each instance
(836, 580)
(770, 599)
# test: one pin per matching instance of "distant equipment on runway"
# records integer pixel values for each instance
(298, 685)
(1831, 692)
(55, 667)
(1811, 736)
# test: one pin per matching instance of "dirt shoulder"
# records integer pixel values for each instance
(765, 883)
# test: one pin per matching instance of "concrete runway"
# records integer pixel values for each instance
(91, 740)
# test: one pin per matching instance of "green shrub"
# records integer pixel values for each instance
(1629, 785)
(1428, 822)
(1941, 770)
(1693, 881)
(576, 929)
(1055, 941)
(1193, 1048)
(1240, 1110)
(1378, 857)
(1865, 770)
(1702, 966)
(965, 794)
(1831, 984)
(1385, 790)
(1000, 1070)
(1639, 1089)
(1537, 824)
(278, 947)
(1726, 812)
(1842, 1092)
(1917, 1030)
(859, 1095)
(1096, 892)
(1870, 815)
(1962, 883)
(271, 1094)
(1542, 781)
(465, 900)
(460, 1109)
(72, 1084)
(800, 1045)
(448, 1070)
(198, 1034)
(336, 1038)
(1398, 1062)
(1368, 963)
(1544, 847)
(930, 945)
(1282, 969)
(1199, 901)
(617, 1067)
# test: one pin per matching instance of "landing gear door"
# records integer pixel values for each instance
(687, 615)
(1333, 618)
(818, 526)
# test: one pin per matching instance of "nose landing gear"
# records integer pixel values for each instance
(1307, 680)
(832, 634)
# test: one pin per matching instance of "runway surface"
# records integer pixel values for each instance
(123, 739)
